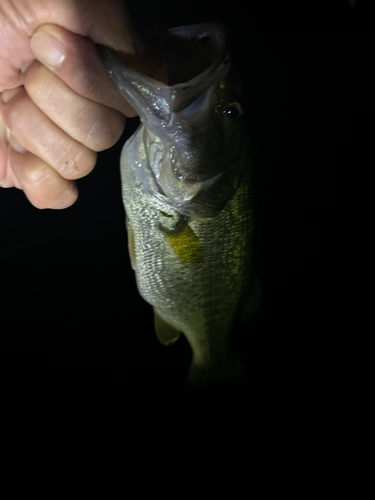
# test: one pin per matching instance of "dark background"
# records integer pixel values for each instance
(75, 334)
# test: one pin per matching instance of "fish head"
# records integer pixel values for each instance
(195, 129)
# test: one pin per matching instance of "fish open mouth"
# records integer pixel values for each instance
(186, 58)
(196, 57)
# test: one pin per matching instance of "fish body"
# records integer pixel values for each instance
(188, 196)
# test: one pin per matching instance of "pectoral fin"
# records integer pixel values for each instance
(165, 333)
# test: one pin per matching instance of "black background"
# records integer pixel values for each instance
(75, 334)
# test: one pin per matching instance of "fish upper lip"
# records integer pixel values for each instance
(151, 97)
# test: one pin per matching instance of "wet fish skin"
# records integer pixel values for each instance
(188, 196)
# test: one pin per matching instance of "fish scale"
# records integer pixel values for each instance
(198, 299)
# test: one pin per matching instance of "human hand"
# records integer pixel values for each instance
(56, 115)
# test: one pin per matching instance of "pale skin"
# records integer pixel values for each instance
(56, 115)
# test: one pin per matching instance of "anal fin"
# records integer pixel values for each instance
(165, 332)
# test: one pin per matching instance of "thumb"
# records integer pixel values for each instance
(105, 22)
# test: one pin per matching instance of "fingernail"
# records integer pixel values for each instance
(17, 146)
(61, 204)
(14, 143)
(7, 95)
(47, 49)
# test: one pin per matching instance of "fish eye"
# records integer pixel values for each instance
(233, 110)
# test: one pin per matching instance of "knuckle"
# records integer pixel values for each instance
(84, 73)
(45, 89)
(105, 131)
(75, 165)
(38, 84)
(86, 82)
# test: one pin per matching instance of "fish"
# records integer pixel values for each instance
(188, 194)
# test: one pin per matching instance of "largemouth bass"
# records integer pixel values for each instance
(188, 196)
